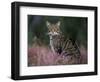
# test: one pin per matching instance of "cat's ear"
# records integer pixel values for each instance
(47, 23)
(58, 23)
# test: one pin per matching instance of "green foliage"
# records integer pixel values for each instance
(73, 27)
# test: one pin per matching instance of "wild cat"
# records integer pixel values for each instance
(60, 44)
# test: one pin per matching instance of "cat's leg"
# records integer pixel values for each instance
(51, 44)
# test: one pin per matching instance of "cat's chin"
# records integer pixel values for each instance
(53, 33)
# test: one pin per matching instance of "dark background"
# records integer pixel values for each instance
(74, 27)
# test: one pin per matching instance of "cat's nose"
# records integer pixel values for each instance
(55, 33)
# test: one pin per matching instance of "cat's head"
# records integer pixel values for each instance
(53, 29)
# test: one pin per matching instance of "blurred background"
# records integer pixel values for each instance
(74, 27)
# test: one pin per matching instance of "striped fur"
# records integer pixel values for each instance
(60, 44)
